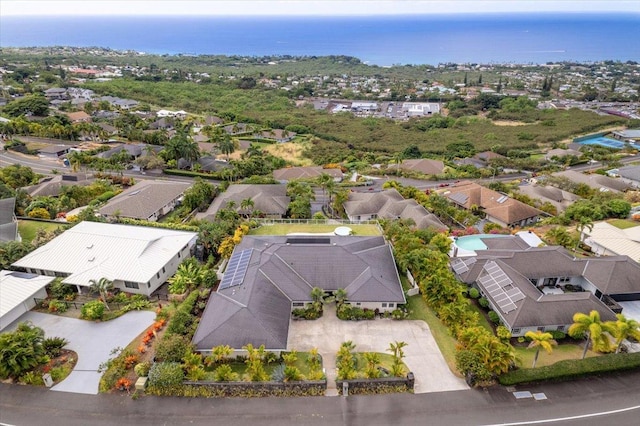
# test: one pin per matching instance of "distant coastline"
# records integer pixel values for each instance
(505, 38)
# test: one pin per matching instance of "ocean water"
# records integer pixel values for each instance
(421, 39)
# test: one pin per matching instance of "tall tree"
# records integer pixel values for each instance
(593, 329)
(102, 287)
(624, 328)
(540, 340)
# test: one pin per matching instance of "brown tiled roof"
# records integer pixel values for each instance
(424, 165)
(289, 173)
(508, 210)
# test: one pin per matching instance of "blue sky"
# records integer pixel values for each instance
(305, 7)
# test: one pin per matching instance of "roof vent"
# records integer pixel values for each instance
(502, 199)
(92, 259)
(90, 246)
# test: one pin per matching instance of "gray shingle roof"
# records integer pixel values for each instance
(630, 172)
(595, 181)
(144, 199)
(8, 226)
(283, 270)
(269, 199)
(390, 204)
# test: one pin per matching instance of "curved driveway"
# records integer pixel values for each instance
(92, 341)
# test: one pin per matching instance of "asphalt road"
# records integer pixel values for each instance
(611, 400)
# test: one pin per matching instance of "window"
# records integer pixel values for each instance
(384, 305)
(358, 304)
(131, 284)
(516, 331)
(297, 304)
(179, 255)
(158, 275)
(149, 284)
(163, 271)
(391, 305)
(560, 327)
(540, 328)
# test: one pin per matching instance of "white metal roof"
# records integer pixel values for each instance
(619, 241)
(16, 287)
(92, 250)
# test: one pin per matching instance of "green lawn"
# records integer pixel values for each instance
(418, 310)
(29, 228)
(483, 316)
(287, 228)
(623, 223)
(561, 352)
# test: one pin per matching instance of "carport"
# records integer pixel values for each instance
(17, 293)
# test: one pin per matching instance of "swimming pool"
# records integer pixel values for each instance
(474, 242)
(607, 142)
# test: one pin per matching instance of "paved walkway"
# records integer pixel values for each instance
(422, 355)
(92, 341)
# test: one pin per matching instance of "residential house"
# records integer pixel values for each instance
(53, 151)
(608, 240)
(56, 93)
(629, 135)
(211, 120)
(134, 150)
(629, 175)
(595, 181)
(527, 297)
(487, 156)
(164, 123)
(559, 153)
(389, 204)
(498, 208)
(279, 135)
(146, 200)
(271, 200)
(19, 291)
(8, 221)
(290, 173)
(423, 165)
(136, 259)
(267, 277)
(236, 129)
(51, 186)
(557, 197)
(79, 117)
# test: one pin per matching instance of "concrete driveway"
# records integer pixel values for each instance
(92, 341)
(422, 355)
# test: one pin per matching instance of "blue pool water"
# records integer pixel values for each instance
(607, 142)
(474, 242)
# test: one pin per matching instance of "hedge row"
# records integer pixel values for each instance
(572, 369)
(177, 172)
(240, 389)
(164, 225)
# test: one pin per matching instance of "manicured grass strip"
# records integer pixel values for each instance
(418, 310)
(29, 228)
(623, 223)
(566, 351)
(572, 369)
(288, 228)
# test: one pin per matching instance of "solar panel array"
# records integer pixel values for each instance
(236, 269)
(460, 266)
(500, 287)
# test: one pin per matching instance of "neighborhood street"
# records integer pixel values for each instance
(610, 400)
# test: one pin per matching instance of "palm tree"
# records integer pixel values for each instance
(373, 362)
(227, 145)
(340, 296)
(247, 205)
(317, 295)
(594, 330)
(584, 223)
(397, 158)
(623, 328)
(101, 286)
(540, 340)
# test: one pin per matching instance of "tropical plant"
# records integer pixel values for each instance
(624, 328)
(372, 370)
(292, 374)
(92, 310)
(346, 361)
(340, 296)
(218, 354)
(224, 373)
(21, 350)
(593, 329)
(102, 287)
(540, 340)
(583, 223)
(396, 349)
(317, 295)
(255, 363)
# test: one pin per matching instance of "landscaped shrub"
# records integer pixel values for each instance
(573, 368)
(474, 293)
(57, 306)
(57, 290)
(311, 312)
(166, 375)
(136, 305)
(21, 350)
(53, 345)
(172, 348)
(493, 316)
(182, 320)
(349, 312)
(483, 302)
(142, 369)
(557, 334)
(469, 363)
(92, 310)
